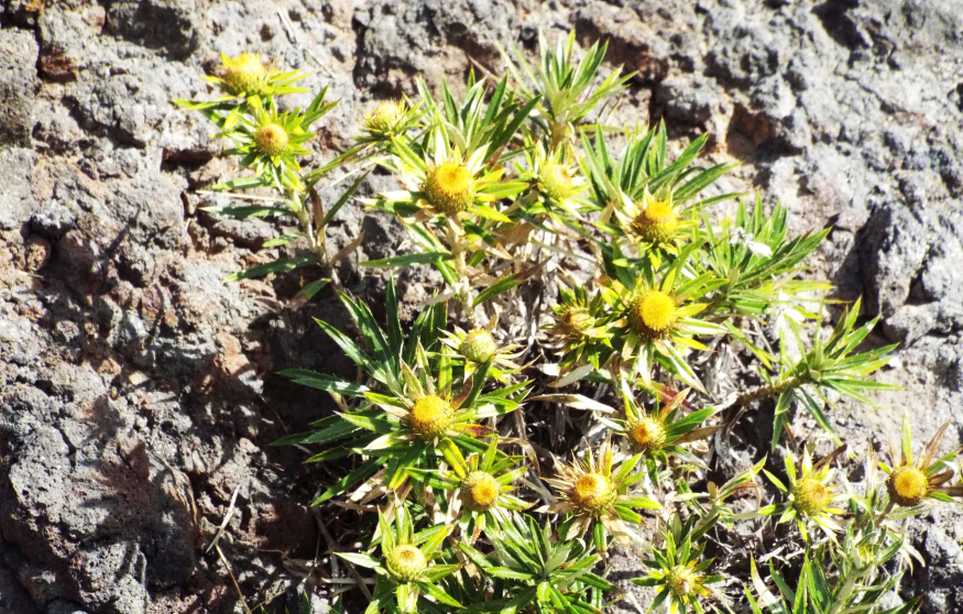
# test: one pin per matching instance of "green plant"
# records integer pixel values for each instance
(593, 282)
(532, 566)
(275, 146)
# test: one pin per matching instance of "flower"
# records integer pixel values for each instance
(661, 432)
(480, 349)
(406, 562)
(653, 321)
(478, 345)
(647, 433)
(685, 581)
(908, 485)
(271, 138)
(654, 219)
(811, 497)
(273, 143)
(653, 313)
(557, 181)
(386, 117)
(911, 482)
(448, 187)
(678, 571)
(479, 487)
(430, 416)
(581, 328)
(593, 490)
(480, 490)
(445, 184)
(244, 73)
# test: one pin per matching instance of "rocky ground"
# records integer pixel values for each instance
(137, 399)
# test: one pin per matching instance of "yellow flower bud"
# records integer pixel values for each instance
(406, 562)
(811, 496)
(244, 73)
(479, 346)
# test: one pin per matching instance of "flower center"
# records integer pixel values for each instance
(243, 73)
(386, 115)
(592, 491)
(406, 562)
(654, 312)
(448, 187)
(812, 496)
(908, 485)
(647, 433)
(657, 222)
(482, 489)
(479, 346)
(271, 138)
(430, 416)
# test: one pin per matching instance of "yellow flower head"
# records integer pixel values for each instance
(908, 485)
(430, 416)
(406, 562)
(385, 116)
(448, 187)
(653, 313)
(592, 492)
(647, 433)
(480, 489)
(478, 346)
(271, 138)
(812, 496)
(243, 73)
(656, 221)
(556, 180)
(912, 481)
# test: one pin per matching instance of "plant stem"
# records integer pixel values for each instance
(770, 390)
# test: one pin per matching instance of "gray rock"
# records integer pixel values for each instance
(432, 38)
(18, 85)
(136, 391)
(13, 598)
(16, 198)
(893, 255)
(166, 24)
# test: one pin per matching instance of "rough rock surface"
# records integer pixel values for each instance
(137, 399)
